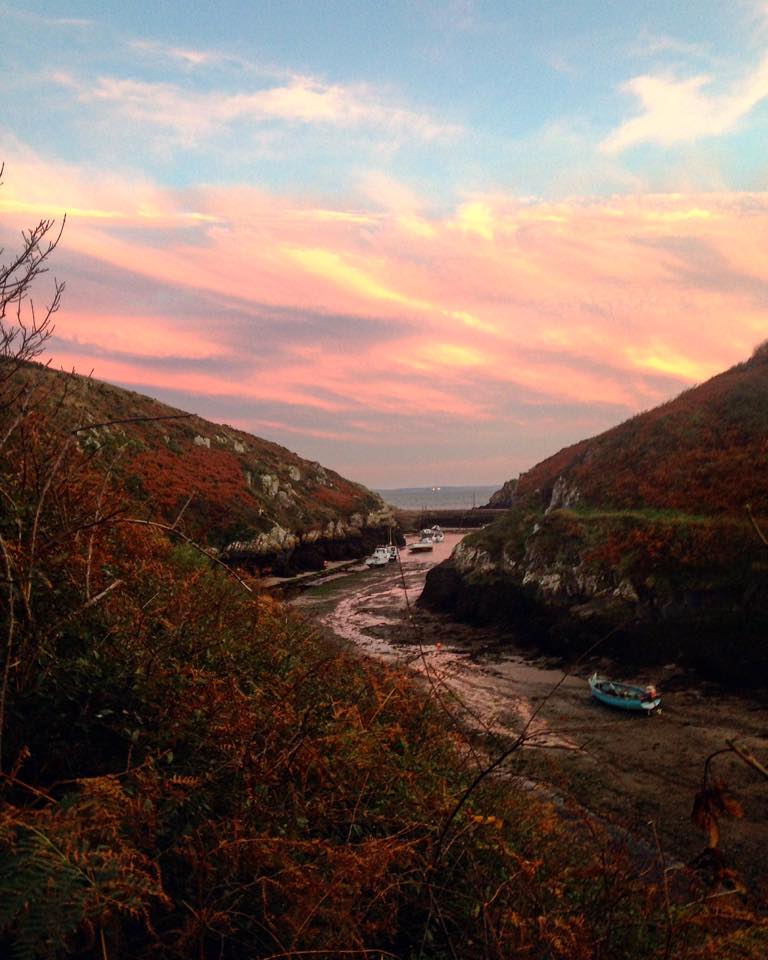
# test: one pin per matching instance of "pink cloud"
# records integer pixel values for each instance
(488, 311)
(123, 333)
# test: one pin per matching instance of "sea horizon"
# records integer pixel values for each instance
(442, 497)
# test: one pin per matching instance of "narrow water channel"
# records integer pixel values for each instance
(375, 610)
(634, 769)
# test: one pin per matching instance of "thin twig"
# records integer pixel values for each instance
(90, 602)
(748, 758)
(181, 512)
(8, 643)
(109, 423)
(667, 905)
(755, 524)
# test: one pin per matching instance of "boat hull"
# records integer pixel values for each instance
(623, 696)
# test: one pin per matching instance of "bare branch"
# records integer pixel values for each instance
(755, 524)
(24, 328)
(8, 642)
(109, 423)
(748, 757)
(90, 602)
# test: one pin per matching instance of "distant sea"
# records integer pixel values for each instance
(438, 498)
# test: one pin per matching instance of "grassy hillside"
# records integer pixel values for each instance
(705, 452)
(230, 484)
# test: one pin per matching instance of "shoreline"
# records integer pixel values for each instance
(630, 770)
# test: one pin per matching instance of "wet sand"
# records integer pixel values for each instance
(631, 769)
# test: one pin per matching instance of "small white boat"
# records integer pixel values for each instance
(437, 534)
(379, 557)
(422, 545)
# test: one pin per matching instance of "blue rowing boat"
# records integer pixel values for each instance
(625, 696)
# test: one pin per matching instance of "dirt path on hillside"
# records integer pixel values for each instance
(631, 769)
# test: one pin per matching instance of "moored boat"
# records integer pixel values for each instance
(379, 557)
(422, 545)
(625, 696)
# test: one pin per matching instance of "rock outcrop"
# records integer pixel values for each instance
(503, 498)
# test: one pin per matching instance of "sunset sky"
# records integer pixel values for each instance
(420, 241)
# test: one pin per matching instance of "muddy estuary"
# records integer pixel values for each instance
(642, 773)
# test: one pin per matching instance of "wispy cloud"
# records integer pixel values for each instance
(28, 16)
(652, 44)
(676, 110)
(187, 56)
(195, 115)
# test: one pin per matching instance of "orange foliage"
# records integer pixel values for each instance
(704, 452)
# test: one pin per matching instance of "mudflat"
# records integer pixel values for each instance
(642, 773)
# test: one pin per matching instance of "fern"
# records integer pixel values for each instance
(68, 867)
(40, 893)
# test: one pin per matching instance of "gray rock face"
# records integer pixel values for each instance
(270, 485)
(320, 476)
(565, 494)
(505, 497)
(468, 559)
(556, 568)
(280, 540)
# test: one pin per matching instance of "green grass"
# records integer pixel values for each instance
(651, 515)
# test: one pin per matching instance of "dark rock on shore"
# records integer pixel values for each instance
(301, 554)
(726, 644)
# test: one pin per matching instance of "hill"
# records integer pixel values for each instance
(704, 452)
(226, 488)
(642, 533)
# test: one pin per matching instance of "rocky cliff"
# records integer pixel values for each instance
(503, 498)
(637, 540)
(255, 501)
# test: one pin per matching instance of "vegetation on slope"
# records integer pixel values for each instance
(704, 452)
(230, 484)
(187, 770)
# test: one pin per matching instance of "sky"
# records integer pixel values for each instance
(420, 241)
